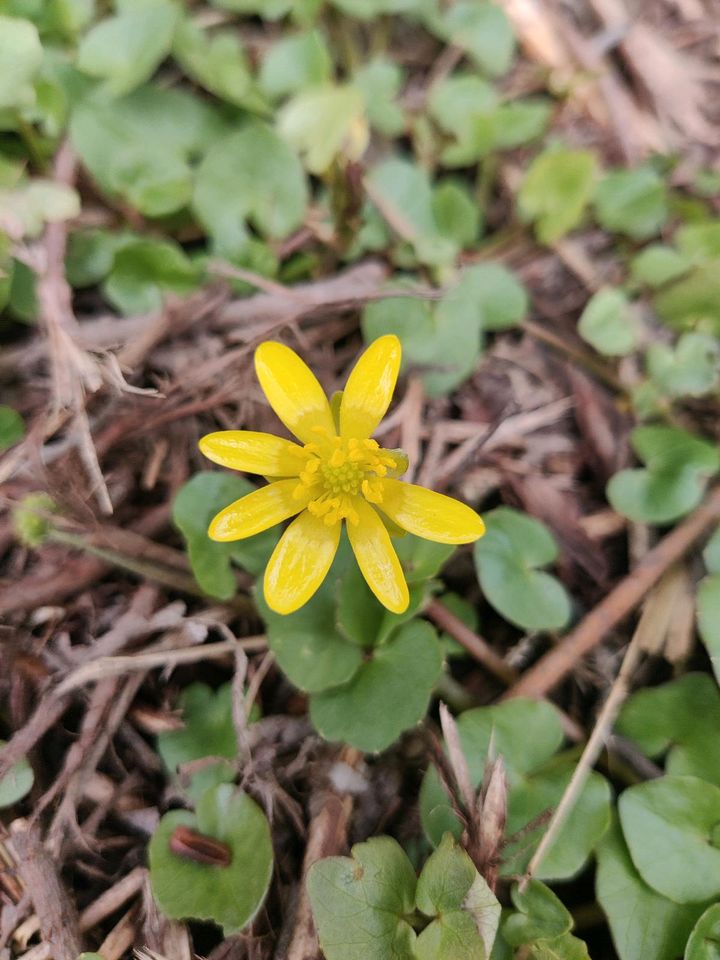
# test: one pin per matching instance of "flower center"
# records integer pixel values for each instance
(338, 470)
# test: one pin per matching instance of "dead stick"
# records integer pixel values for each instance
(58, 918)
(555, 665)
(474, 644)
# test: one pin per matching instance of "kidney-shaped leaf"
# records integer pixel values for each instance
(671, 828)
(229, 895)
(507, 560)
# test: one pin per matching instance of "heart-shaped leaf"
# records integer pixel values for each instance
(309, 645)
(483, 31)
(658, 264)
(388, 694)
(464, 909)
(679, 720)
(21, 55)
(360, 903)
(126, 49)
(673, 481)
(643, 923)
(295, 63)
(633, 202)
(507, 559)
(250, 175)
(322, 122)
(608, 323)
(671, 828)
(228, 895)
(195, 504)
(690, 369)
(556, 190)
(540, 915)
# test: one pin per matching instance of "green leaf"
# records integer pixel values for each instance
(633, 202)
(125, 50)
(21, 54)
(704, 942)
(18, 780)
(465, 910)
(144, 270)
(12, 427)
(141, 147)
(90, 255)
(658, 264)
(323, 122)
(507, 559)
(585, 825)
(501, 297)
(230, 896)
(692, 301)
(309, 645)
(443, 342)
(217, 63)
(250, 175)
(519, 122)
(540, 915)
(207, 731)
(678, 720)
(708, 616)
(455, 212)
(465, 106)
(388, 694)
(195, 504)
(28, 206)
(699, 241)
(608, 323)
(566, 947)
(295, 63)
(360, 904)
(677, 468)
(422, 559)
(380, 81)
(404, 196)
(483, 31)
(691, 369)
(642, 922)
(556, 190)
(669, 826)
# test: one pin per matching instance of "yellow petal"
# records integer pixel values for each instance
(254, 452)
(370, 386)
(428, 514)
(299, 562)
(293, 391)
(257, 511)
(377, 559)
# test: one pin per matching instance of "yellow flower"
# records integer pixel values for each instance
(338, 474)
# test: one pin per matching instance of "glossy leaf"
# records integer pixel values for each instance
(508, 559)
(670, 826)
(643, 923)
(230, 896)
(388, 694)
(194, 506)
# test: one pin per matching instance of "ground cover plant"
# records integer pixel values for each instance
(465, 705)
